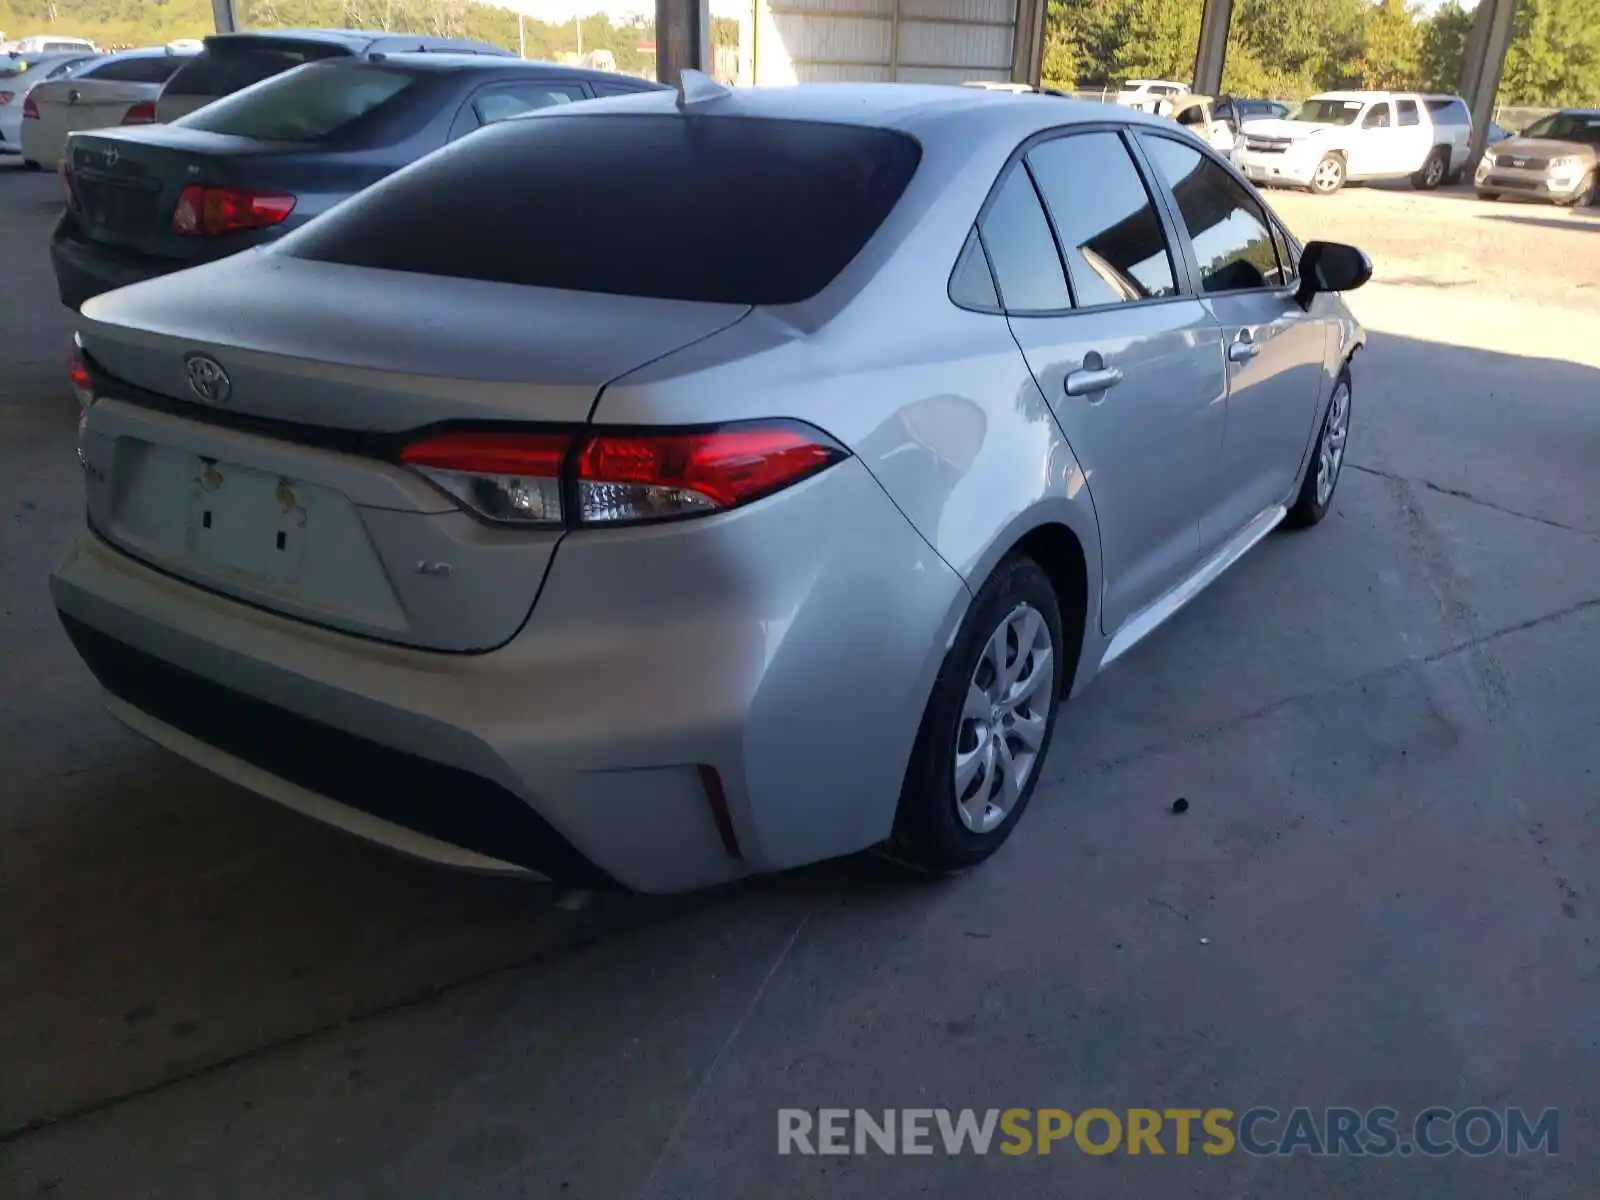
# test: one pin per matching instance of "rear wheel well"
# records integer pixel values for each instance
(1057, 550)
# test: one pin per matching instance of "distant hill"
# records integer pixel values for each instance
(153, 22)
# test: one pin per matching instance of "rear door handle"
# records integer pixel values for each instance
(1244, 347)
(1090, 380)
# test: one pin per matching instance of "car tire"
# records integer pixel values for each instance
(1328, 177)
(933, 832)
(1584, 196)
(1434, 169)
(1327, 458)
(1490, 196)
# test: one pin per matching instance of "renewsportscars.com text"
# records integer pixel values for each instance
(1379, 1132)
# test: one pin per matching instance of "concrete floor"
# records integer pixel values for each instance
(1386, 890)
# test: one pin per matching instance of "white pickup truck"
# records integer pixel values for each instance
(1338, 137)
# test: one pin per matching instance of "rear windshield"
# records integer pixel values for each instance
(302, 105)
(228, 65)
(720, 209)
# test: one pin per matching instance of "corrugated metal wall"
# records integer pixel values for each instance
(878, 41)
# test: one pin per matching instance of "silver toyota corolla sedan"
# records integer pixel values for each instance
(678, 487)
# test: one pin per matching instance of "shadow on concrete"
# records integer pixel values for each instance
(1588, 226)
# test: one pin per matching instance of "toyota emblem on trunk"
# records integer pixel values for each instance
(207, 379)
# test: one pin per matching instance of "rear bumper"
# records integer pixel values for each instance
(575, 751)
(86, 269)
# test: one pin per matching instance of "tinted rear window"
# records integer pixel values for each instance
(228, 66)
(728, 210)
(136, 70)
(302, 105)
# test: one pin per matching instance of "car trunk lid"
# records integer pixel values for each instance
(126, 185)
(285, 490)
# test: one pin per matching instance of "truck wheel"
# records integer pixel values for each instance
(1433, 171)
(1490, 196)
(1328, 178)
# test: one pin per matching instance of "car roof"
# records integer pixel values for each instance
(447, 61)
(928, 112)
(357, 40)
(1356, 94)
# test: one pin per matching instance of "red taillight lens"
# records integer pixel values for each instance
(143, 113)
(211, 211)
(80, 379)
(5, 97)
(639, 477)
(30, 109)
(512, 477)
(521, 478)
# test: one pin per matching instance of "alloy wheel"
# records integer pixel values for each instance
(1329, 175)
(1330, 450)
(1004, 719)
(1433, 173)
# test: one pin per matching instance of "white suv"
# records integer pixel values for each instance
(1341, 136)
(1145, 94)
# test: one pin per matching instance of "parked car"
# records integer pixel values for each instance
(254, 165)
(1557, 158)
(50, 43)
(1196, 114)
(1142, 94)
(18, 75)
(1237, 110)
(480, 518)
(120, 89)
(1341, 137)
(232, 61)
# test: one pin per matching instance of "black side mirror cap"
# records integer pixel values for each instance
(1330, 267)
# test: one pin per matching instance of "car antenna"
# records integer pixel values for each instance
(696, 87)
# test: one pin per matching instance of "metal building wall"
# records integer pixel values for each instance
(890, 41)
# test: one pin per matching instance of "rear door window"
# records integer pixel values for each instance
(504, 100)
(230, 64)
(1104, 219)
(1409, 114)
(136, 70)
(303, 105)
(760, 211)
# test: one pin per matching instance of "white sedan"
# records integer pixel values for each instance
(19, 74)
(120, 89)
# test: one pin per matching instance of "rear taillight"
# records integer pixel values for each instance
(513, 477)
(617, 478)
(5, 97)
(30, 109)
(213, 211)
(143, 113)
(78, 376)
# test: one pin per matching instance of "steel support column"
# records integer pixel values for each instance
(225, 13)
(1027, 46)
(1492, 28)
(683, 38)
(1212, 51)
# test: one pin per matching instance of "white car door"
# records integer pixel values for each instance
(1413, 139)
(1372, 148)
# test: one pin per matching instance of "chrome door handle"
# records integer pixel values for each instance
(1093, 379)
(74, 96)
(1244, 347)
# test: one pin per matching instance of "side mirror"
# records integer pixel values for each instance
(1330, 267)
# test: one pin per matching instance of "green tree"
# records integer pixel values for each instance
(1391, 47)
(1444, 46)
(1555, 54)
(1159, 40)
(1060, 68)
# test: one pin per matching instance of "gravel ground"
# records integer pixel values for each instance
(1451, 239)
